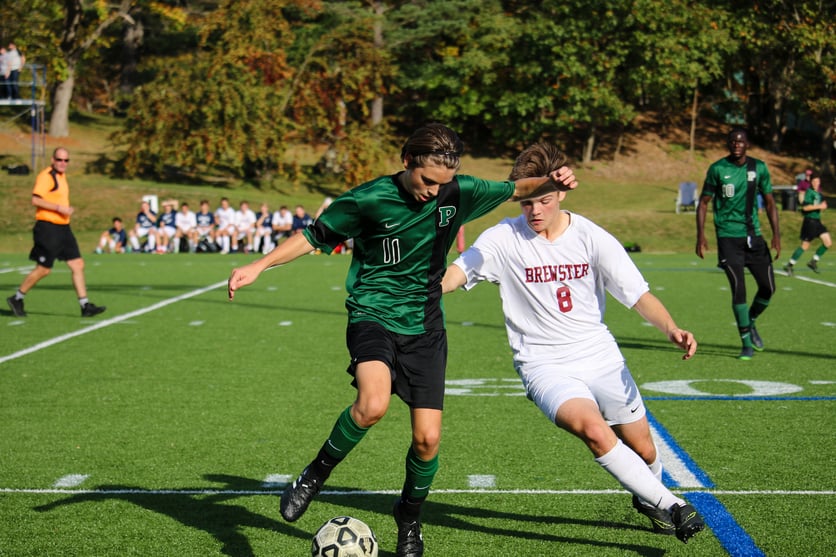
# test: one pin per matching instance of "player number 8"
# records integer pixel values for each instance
(564, 299)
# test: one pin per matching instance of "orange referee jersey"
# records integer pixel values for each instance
(52, 186)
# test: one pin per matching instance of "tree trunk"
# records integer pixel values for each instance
(59, 122)
(377, 102)
(589, 147)
(694, 113)
(133, 39)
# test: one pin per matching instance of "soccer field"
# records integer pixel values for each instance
(169, 425)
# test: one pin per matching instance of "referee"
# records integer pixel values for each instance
(53, 237)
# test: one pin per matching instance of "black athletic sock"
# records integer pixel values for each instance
(409, 508)
(323, 465)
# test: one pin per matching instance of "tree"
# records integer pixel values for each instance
(784, 43)
(220, 111)
(82, 28)
(679, 47)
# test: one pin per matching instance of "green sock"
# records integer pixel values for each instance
(419, 476)
(759, 305)
(795, 255)
(820, 251)
(345, 435)
(741, 315)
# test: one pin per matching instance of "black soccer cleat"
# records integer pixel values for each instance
(16, 306)
(788, 269)
(813, 264)
(298, 495)
(410, 540)
(687, 521)
(746, 353)
(91, 309)
(660, 519)
(757, 341)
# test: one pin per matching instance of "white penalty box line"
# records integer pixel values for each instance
(108, 322)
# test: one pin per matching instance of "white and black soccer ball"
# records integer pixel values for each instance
(344, 536)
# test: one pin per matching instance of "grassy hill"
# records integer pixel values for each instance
(631, 194)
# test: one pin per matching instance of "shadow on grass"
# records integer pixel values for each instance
(208, 510)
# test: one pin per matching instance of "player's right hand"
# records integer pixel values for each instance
(702, 247)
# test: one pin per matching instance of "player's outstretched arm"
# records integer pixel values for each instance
(655, 313)
(293, 247)
(562, 179)
(454, 278)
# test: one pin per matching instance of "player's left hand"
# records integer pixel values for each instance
(685, 340)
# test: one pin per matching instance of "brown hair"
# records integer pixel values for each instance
(433, 143)
(537, 160)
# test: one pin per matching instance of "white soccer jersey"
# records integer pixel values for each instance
(245, 220)
(225, 217)
(280, 219)
(554, 293)
(185, 222)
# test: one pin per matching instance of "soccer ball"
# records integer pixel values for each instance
(344, 536)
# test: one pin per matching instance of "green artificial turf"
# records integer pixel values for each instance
(176, 406)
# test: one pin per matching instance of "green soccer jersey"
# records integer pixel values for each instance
(401, 245)
(812, 197)
(726, 182)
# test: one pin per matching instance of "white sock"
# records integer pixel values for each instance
(656, 466)
(135, 243)
(633, 473)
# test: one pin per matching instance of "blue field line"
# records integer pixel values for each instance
(732, 537)
(741, 397)
(729, 533)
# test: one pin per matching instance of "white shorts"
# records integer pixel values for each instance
(169, 231)
(614, 390)
(142, 232)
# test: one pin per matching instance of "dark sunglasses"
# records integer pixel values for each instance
(62, 160)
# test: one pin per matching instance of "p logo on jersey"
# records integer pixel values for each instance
(445, 215)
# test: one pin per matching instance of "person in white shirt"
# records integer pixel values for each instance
(4, 73)
(554, 269)
(282, 224)
(225, 231)
(245, 220)
(185, 224)
(15, 61)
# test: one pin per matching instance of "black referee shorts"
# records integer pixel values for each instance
(417, 363)
(53, 241)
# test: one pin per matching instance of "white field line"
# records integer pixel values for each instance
(116, 491)
(71, 480)
(108, 322)
(810, 279)
(16, 269)
(673, 464)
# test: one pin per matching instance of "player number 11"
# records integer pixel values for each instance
(564, 299)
